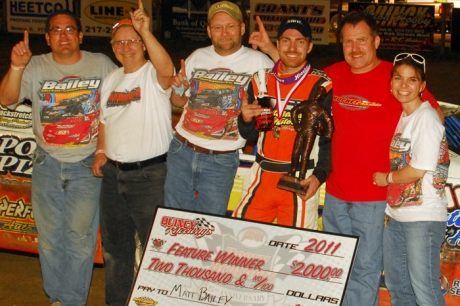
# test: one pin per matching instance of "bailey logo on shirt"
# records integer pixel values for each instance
(69, 84)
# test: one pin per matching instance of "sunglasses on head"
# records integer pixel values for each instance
(415, 57)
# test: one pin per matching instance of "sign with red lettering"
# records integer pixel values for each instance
(199, 259)
(401, 26)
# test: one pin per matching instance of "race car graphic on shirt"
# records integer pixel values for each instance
(214, 103)
(69, 111)
(410, 194)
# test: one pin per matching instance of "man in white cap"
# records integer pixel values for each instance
(203, 155)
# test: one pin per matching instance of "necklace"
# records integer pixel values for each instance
(297, 78)
(290, 79)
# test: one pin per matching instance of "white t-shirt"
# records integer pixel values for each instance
(217, 85)
(419, 141)
(136, 113)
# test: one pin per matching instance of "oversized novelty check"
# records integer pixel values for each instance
(199, 259)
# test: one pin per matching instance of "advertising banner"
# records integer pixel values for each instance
(273, 12)
(185, 19)
(401, 26)
(98, 17)
(31, 15)
(192, 258)
(17, 143)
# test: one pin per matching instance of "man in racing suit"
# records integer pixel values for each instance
(290, 82)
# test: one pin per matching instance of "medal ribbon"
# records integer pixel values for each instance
(298, 78)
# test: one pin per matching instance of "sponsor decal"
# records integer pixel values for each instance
(157, 244)
(109, 12)
(178, 226)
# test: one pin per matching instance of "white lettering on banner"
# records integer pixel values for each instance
(34, 8)
(453, 217)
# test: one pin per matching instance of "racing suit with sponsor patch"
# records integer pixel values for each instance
(261, 200)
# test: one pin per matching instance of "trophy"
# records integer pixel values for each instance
(264, 122)
(309, 119)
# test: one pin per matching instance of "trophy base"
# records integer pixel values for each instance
(291, 183)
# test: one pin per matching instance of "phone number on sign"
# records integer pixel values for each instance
(89, 29)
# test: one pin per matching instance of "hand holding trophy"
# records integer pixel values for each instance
(309, 119)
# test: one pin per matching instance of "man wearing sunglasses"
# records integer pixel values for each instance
(135, 132)
(65, 194)
(203, 155)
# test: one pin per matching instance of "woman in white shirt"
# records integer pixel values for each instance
(416, 211)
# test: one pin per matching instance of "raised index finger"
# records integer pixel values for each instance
(182, 68)
(245, 99)
(139, 3)
(26, 39)
(260, 24)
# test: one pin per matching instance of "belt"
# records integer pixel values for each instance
(199, 149)
(276, 166)
(138, 165)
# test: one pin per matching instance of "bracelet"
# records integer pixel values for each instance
(17, 67)
(100, 151)
(390, 178)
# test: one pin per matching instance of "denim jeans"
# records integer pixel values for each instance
(65, 200)
(197, 181)
(411, 252)
(128, 204)
(363, 219)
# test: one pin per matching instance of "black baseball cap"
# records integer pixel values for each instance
(298, 23)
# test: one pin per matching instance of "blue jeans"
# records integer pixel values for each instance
(128, 204)
(65, 200)
(197, 181)
(363, 219)
(412, 262)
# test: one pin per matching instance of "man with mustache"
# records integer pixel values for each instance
(365, 116)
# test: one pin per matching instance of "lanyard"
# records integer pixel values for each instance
(298, 78)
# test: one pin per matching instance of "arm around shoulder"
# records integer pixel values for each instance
(426, 95)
